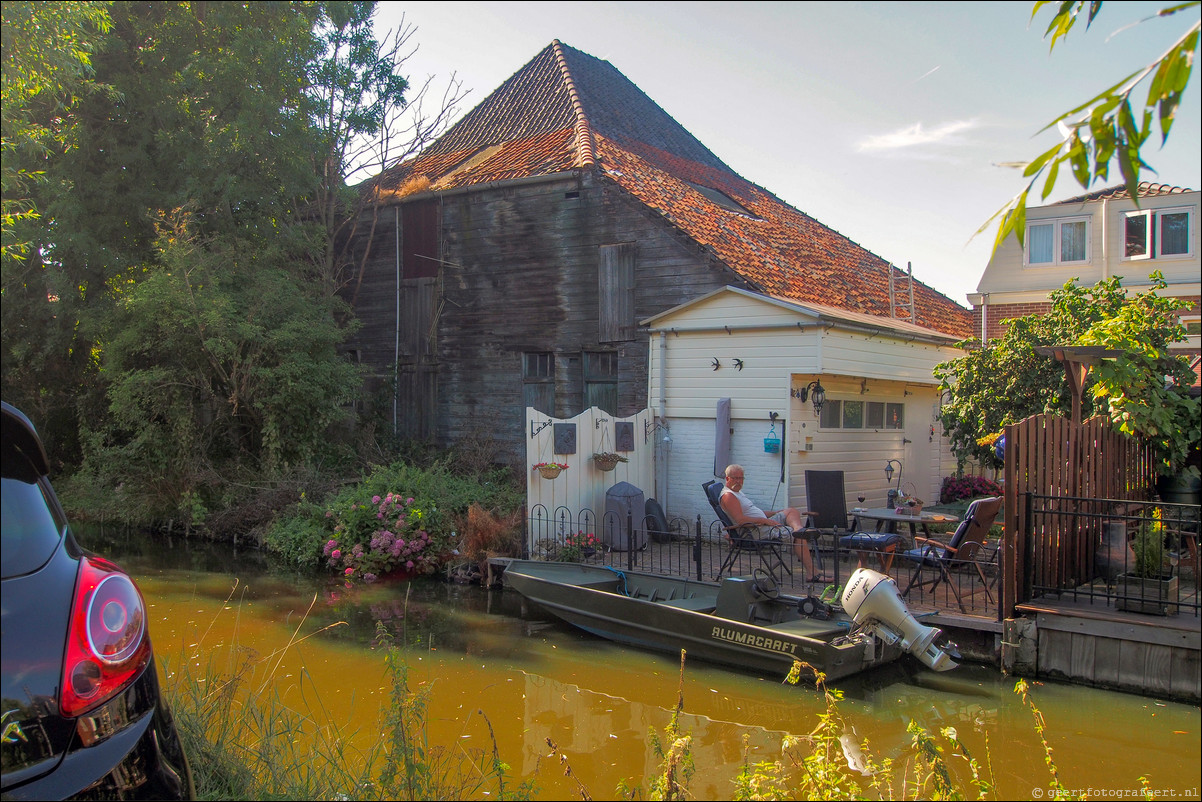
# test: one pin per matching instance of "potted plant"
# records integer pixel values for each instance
(579, 547)
(608, 460)
(1149, 588)
(549, 470)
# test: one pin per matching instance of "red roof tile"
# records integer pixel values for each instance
(1146, 189)
(567, 110)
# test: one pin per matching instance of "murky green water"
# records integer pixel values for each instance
(494, 661)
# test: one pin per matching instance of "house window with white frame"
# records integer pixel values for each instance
(1158, 233)
(1058, 242)
(850, 414)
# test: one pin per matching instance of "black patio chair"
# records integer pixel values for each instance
(746, 539)
(967, 547)
(827, 504)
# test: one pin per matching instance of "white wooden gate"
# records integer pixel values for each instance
(573, 442)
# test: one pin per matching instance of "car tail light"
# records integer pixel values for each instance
(107, 645)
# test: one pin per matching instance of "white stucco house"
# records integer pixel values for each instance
(767, 355)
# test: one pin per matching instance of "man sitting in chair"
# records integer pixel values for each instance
(743, 511)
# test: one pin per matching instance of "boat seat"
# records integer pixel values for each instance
(698, 604)
(811, 628)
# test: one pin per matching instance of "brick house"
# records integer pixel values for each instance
(1092, 237)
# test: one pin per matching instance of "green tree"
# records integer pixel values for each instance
(1006, 381)
(368, 117)
(47, 49)
(47, 72)
(217, 367)
(1112, 126)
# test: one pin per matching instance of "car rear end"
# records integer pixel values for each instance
(83, 714)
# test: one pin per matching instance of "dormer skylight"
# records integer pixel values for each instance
(480, 156)
(722, 199)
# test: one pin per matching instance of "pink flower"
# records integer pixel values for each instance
(409, 565)
(335, 554)
(409, 500)
(329, 513)
(349, 572)
(375, 499)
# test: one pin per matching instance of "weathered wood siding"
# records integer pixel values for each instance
(520, 272)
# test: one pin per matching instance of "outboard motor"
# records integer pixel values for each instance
(872, 600)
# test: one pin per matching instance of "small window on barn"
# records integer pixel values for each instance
(615, 293)
(420, 252)
(538, 381)
(601, 380)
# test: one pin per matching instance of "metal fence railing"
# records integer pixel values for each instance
(699, 550)
(1103, 568)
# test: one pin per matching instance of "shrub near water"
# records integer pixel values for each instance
(392, 529)
(429, 502)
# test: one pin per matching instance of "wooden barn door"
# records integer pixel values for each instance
(418, 308)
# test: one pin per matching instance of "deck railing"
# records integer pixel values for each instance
(698, 549)
(1096, 568)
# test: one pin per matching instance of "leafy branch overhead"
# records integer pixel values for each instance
(1114, 125)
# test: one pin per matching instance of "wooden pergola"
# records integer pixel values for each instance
(1077, 360)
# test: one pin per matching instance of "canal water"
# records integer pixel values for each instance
(496, 664)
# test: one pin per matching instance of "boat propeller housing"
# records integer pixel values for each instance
(872, 600)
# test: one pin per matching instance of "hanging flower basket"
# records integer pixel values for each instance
(549, 470)
(607, 460)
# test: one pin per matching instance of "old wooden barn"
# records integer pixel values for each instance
(510, 263)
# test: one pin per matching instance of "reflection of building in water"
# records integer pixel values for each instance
(586, 726)
(597, 731)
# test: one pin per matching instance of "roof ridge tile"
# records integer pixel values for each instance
(584, 138)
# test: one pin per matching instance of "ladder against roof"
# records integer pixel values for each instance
(903, 309)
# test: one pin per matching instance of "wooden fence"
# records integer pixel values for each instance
(573, 442)
(1080, 463)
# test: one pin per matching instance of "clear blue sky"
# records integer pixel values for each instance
(885, 121)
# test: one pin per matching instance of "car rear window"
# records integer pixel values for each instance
(31, 529)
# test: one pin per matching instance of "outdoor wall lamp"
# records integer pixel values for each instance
(889, 472)
(813, 391)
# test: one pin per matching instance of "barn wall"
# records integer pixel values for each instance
(519, 273)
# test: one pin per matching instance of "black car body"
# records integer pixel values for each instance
(83, 715)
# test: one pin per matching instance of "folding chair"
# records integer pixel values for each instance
(827, 501)
(965, 548)
(745, 538)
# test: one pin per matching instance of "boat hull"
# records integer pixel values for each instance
(728, 623)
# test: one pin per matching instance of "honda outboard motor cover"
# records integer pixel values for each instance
(872, 600)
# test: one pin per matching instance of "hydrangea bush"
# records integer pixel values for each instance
(376, 538)
(956, 488)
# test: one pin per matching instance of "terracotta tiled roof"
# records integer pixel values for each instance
(568, 110)
(1146, 189)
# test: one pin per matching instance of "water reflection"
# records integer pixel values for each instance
(489, 655)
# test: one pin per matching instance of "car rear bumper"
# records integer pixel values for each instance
(143, 759)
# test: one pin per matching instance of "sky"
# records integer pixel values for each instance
(887, 122)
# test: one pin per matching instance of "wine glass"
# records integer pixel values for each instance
(860, 498)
